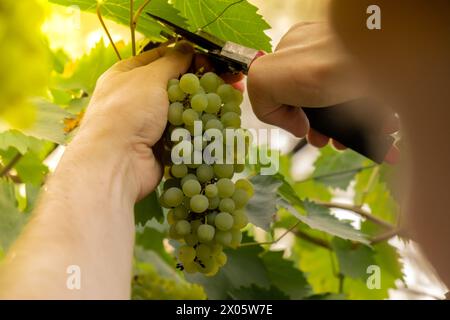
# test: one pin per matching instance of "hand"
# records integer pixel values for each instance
(128, 110)
(308, 69)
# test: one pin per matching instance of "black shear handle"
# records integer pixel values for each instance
(354, 125)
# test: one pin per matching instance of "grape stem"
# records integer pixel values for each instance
(105, 28)
(385, 236)
(248, 244)
(6, 169)
(373, 177)
(134, 17)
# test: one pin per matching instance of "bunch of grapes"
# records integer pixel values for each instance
(23, 59)
(207, 209)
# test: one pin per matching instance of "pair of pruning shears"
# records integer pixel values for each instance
(346, 123)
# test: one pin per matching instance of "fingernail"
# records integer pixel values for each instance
(184, 47)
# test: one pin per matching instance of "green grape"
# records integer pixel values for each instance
(240, 198)
(199, 102)
(171, 217)
(179, 170)
(200, 90)
(226, 93)
(173, 234)
(246, 185)
(210, 81)
(240, 219)
(223, 237)
(186, 254)
(231, 107)
(189, 83)
(205, 233)
(208, 116)
(183, 227)
(172, 82)
(180, 212)
(169, 183)
(238, 168)
(199, 203)
(189, 117)
(192, 187)
(191, 239)
(194, 225)
(189, 176)
(175, 93)
(213, 203)
(214, 103)
(187, 202)
(207, 265)
(211, 218)
(211, 191)
(236, 238)
(190, 267)
(214, 124)
(190, 128)
(221, 259)
(203, 250)
(216, 249)
(223, 170)
(227, 205)
(224, 221)
(225, 188)
(231, 120)
(238, 97)
(204, 173)
(175, 113)
(173, 197)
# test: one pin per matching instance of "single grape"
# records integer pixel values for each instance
(199, 203)
(221, 259)
(179, 170)
(225, 188)
(175, 93)
(194, 225)
(187, 202)
(214, 124)
(189, 117)
(211, 191)
(200, 90)
(204, 173)
(238, 168)
(226, 92)
(231, 107)
(205, 233)
(183, 227)
(240, 198)
(207, 265)
(189, 83)
(240, 219)
(172, 82)
(231, 120)
(173, 234)
(245, 185)
(199, 102)
(209, 81)
(192, 187)
(223, 170)
(208, 116)
(211, 218)
(186, 254)
(214, 103)
(212, 271)
(236, 238)
(224, 221)
(175, 114)
(191, 239)
(173, 197)
(216, 249)
(227, 205)
(213, 203)
(203, 251)
(189, 176)
(171, 217)
(190, 267)
(223, 237)
(238, 97)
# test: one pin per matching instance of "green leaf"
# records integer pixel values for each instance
(353, 261)
(262, 206)
(119, 11)
(30, 169)
(11, 220)
(19, 141)
(331, 162)
(320, 218)
(230, 20)
(151, 239)
(148, 208)
(285, 276)
(255, 292)
(313, 190)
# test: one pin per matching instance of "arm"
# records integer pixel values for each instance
(85, 214)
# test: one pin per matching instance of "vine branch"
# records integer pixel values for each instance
(134, 17)
(249, 244)
(105, 28)
(385, 236)
(6, 169)
(369, 185)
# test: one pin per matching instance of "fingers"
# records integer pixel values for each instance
(317, 139)
(175, 61)
(291, 119)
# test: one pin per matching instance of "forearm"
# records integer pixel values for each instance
(84, 218)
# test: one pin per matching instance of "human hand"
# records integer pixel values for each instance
(128, 112)
(308, 69)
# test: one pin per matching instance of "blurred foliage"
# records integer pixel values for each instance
(321, 256)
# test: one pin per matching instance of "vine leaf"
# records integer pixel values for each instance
(231, 20)
(19, 141)
(255, 292)
(147, 209)
(119, 11)
(331, 161)
(320, 218)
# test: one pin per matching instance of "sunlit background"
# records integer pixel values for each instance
(64, 29)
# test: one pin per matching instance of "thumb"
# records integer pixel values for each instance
(175, 61)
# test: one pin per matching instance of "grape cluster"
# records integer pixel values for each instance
(206, 208)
